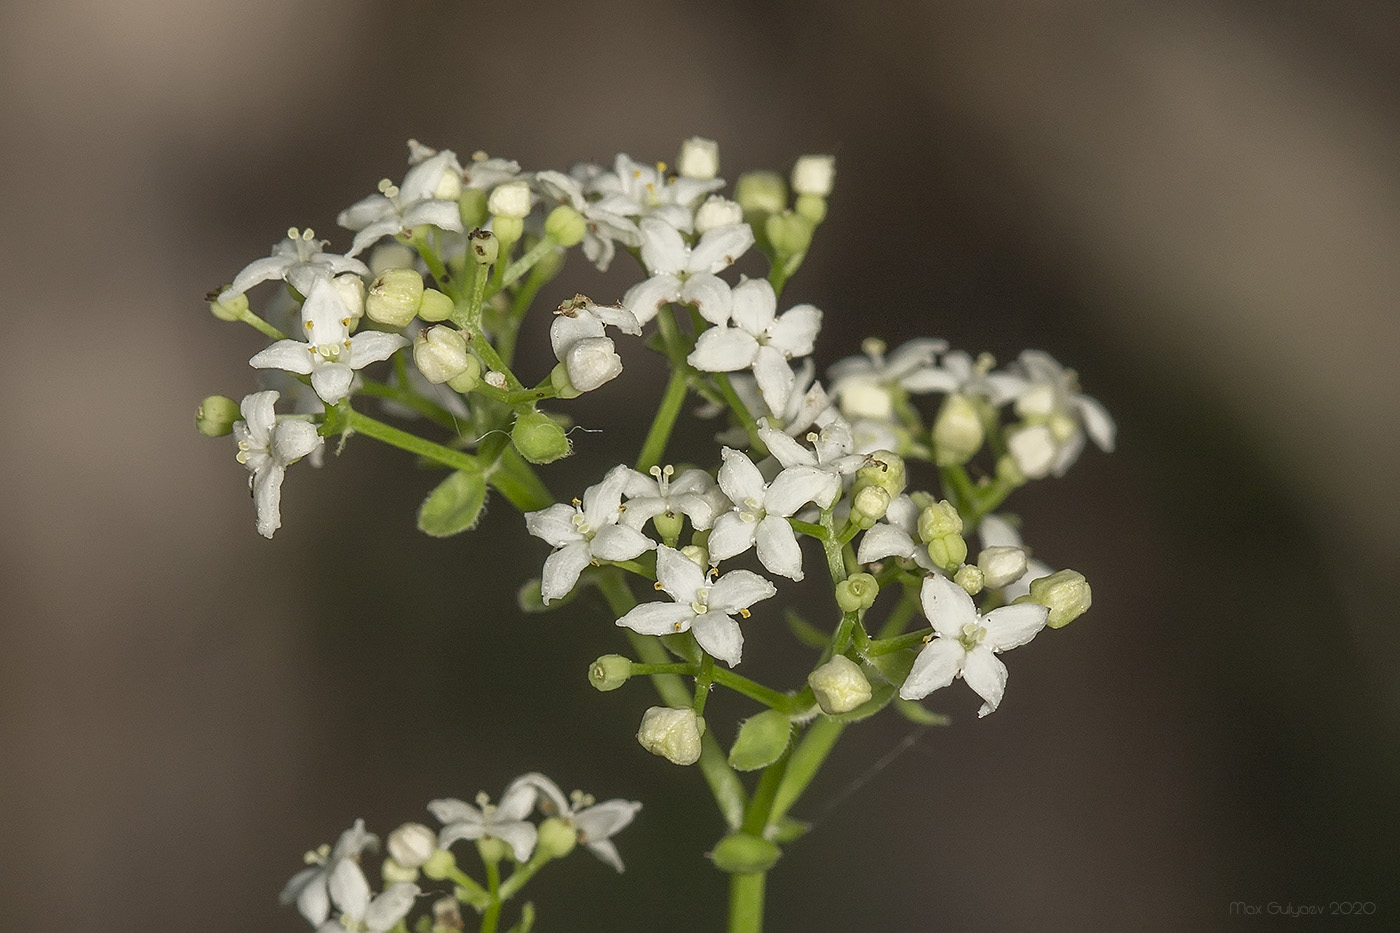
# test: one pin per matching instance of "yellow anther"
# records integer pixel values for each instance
(677, 626)
(745, 613)
(658, 586)
(577, 502)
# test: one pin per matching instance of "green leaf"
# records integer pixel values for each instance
(455, 505)
(895, 666)
(762, 741)
(805, 632)
(743, 854)
(790, 830)
(917, 714)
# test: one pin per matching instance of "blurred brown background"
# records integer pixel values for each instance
(1194, 204)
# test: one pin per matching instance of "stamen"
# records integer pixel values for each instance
(745, 613)
(658, 586)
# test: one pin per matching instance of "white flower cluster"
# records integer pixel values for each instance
(335, 896)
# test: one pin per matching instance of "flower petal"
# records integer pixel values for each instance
(663, 249)
(986, 675)
(678, 575)
(1013, 626)
(1097, 422)
(788, 451)
(723, 350)
(390, 907)
(798, 485)
(618, 542)
(561, 570)
(645, 298)
(452, 810)
(730, 537)
(293, 356)
(554, 524)
(795, 332)
(371, 346)
(719, 635)
(332, 381)
(935, 667)
(719, 248)
(777, 547)
(710, 295)
(739, 589)
(348, 887)
(267, 498)
(881, 541)
(755, 304)
(520, 836)
(947, 606)
(740, 479)
(658, 618)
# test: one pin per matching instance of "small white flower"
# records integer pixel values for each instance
(694, 494)
(309, 888)
(580, 342)
(584, 532)
(330, 355)
(511, 199)
(782, 395)
(762, 511)
(958, 373)
(965, 643)
(717, 211)
(632, 189)
(896, 536)
(504, 821)
(831, 452)
(759, 333)
(603, 229)
(1055, 416)
(596, 823)
(864, 386)
(484, 172)
(267, 447)
(700, 607)
(358, 913)
(685, 273)
(427, 195)
(298, 261)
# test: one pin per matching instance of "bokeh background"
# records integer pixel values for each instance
(1195, 204)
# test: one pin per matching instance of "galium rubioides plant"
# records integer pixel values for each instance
(890, 478)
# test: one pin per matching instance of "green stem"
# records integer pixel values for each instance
(704, 678)
(258, 324)
(370, 427)
(475, 894)
(521, 876)
(899, 618)
(808, 529)
(804, 762)
(523, 265)
(679, 667)
(469, 317)
(406, 396)
(492, 916)
(655, 444)
(881, 646)
(746, 903)
(741, 412)
(769, 697)
(831, 546)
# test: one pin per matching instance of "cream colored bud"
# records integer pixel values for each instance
(970, 578)
(412, 844)
(697, 555)
(761, 192)
(1002, 565)
(511, 199)
(699, 158)
(717, 211)
(957, 431)
(1065, 593)
(591, 362)
(440, 353)
(449, 186)
(839, 685)
(866, 398)
(351, 289)
(869, 505)
(673, 734)
(391, 254)
(394, 297)
(1033, 448)
(393, 872)
(814, 174)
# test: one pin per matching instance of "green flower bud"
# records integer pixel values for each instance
(673, 734)
(814, 174)
(882, 468)
(970, 578)
(957, 431)
(471, 206)
(559, 379)
(811, 206)
(1065, 592)
(235, 309)
(1008, 473)
(435, 306)
(392, 871)
(948, 551)
(788, 232)
(938, 520)
(609, 672)
(839, 685)
(492, 850)
(440, 352)
(439, 865)
(857, 592)
(556, 838)
(668, 525)
(745, 854)
(539, 438)
(565, 225)
(412, 845)
(761, 192)
(484, 246)
(394, 297)
(508, 229)
(869, 505)
(216, 415)
(468, 379)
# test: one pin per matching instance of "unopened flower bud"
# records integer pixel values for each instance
(811, 206)
(885, 469)
(468, 379)
(565, 225)
(673, 734)
(539, 438)
(439, 865)
(391, 254)
(857, 592)
(1065, 593)
(761, 192)
(1002, 565)
(717, 211)
(556, 838)
(957, 431)
(435, 306)
(492, 849)
(511, 199)
(869, 505)
(1008, 472)
(216, 415)
(609, 672)
(790, 233)
(351, 289)
(412, 844)
(668, 525)
(1033, 448)
(948, 551)
(394, 297)
(866, 398)
(970, 578)
(591, 362)
(939, 519)
(440, 353)
(839, 685)
(559, 379)
(699, 158)
(484, 246)
(232, 310)
(814, 174)
(471, 207)
(393, 872)
(508, 229)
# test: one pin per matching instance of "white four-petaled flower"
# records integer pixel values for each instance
(427, 195)
(310, 887)
(267, 446)
(358, 912)
(685, 273)
(761, 511)
(504, 821)
(585, 531)
(758, 332)
(706, 609)
(299, 261)
(595, 823)
(965, 642)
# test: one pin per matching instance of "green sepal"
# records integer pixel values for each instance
(917, 714)
(789, 830)
(455, 505)
(745, 854)
(880, 697)
(762, 740)
(805, 632)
